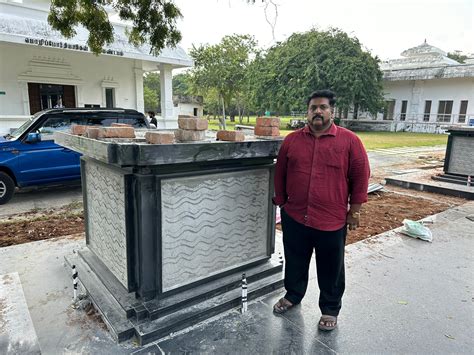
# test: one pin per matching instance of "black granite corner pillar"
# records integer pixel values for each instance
(147, 220)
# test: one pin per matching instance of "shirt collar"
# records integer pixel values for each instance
(332, 131)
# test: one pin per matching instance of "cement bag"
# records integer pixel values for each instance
(416, 230)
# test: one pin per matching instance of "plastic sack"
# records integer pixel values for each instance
(416, 230)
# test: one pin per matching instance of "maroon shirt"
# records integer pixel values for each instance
(316, 177)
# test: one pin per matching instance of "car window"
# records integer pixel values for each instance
(53, 124)
(63, 121)
(107, 118)
(135, 120)
(18, 132)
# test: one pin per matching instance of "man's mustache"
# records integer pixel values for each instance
(317, 116)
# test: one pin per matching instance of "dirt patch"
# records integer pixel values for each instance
(41, 227)
(386, 210)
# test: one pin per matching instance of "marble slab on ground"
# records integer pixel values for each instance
(17, 333)
(424, 177)
(47, 287)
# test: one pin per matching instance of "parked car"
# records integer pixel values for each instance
(29, 156)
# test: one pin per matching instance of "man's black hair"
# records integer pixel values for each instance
(330, 95)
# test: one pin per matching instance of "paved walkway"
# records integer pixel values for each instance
(402, 296)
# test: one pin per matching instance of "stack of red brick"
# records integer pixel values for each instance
(155, 137)
(267, 126)
(191, 129)
(231, 136)
(117, 130)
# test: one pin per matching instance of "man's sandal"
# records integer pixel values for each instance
(282, 306)
(324, 320)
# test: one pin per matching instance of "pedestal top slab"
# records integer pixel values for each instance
(461, 129)
(136, 152)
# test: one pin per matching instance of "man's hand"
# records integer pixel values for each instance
(353, 219)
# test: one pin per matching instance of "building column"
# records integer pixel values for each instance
(79, 96)
(140, 102)
(25, 99)
(167, 109)
(415, 109)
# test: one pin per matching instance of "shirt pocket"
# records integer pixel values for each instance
(335, 158)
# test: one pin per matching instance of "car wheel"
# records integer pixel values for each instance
(7, 188)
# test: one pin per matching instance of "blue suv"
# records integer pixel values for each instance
(29, 156)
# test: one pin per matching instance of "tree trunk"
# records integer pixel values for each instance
(222, 124)
(356, 110)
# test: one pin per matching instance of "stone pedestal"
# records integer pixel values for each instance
(171, 228)
(460, 151)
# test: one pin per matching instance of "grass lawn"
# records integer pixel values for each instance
(371, 140)
(378, 140)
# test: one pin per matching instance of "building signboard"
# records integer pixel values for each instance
(66, 45)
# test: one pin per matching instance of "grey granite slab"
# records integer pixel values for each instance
(125, 153)
(256, 332)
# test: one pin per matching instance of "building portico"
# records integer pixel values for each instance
(41, 69)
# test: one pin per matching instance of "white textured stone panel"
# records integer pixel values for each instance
(106, 218)
(212, 223)
(461, 160)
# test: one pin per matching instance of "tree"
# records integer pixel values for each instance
(151, 99)
(152, 81)
(458, 56)
(222, 67)
(313, 60)
(153, 21)
(151, 91)
(181, 84)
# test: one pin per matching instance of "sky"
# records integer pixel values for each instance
(384, 27)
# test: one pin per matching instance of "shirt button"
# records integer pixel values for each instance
(305, 217)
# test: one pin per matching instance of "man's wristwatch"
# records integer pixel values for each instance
(355, 214)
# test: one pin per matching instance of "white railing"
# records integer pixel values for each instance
(452, 118)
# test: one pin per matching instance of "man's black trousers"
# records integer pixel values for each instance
(299, 241)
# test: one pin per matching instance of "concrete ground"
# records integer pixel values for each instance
(403, 295)
(32, 199)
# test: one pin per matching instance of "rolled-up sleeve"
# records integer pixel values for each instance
(359, 172)
(280, 174)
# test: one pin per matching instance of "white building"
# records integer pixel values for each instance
(189, 105)
(40, 69)
(424, 91)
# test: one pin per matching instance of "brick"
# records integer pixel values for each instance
(78, 129)
(232, 136)
(267, 131)
(92, 132)
(192, 123)
(159, 137)
(116, 132)
(189, 136)
(268, 121)
(121, 125)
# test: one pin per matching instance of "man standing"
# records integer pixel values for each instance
(321, 181)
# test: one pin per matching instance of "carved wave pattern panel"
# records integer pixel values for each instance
(106, 218)
(212, 223)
